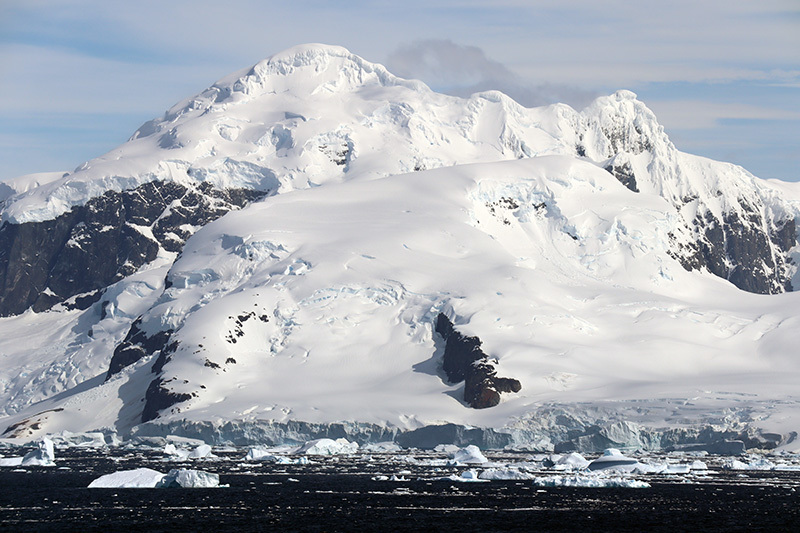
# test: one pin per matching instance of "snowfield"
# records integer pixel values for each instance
(396, 204)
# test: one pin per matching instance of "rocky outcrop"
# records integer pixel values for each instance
(465, 361)
(136, 345)
(744, 248)
(73, 257)
(624, 174)
(158, 397)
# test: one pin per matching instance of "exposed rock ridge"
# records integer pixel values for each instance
(742, 246)
(136, 345)
(465, 361)
(726, 228)
(91, 246)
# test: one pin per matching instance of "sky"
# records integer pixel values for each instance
(78, 77)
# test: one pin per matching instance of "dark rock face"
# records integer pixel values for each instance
(465, 361)
(624, 174)
(135, 346)
(94, 245)
(158, 398)
(737, 248)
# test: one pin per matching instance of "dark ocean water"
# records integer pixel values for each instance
(339, 494)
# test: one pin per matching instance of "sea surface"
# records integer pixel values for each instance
(350, 494)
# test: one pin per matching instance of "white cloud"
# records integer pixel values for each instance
(462, 70)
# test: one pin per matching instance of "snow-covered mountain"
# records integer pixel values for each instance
(314, 246)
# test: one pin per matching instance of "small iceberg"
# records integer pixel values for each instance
(44, 455)
(467, 476)
(572, 461)
(612, 459)
(202, 451)
(755, 463)
(471, 455)
(145, 478)
(327, 447)
(265, 455)
(188, 479)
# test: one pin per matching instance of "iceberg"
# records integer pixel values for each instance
(201, 452)
(572, 461)
(128, 479)
(612, 459)
(755, 463)
(267, 456)
(146, 478)
(469, 455)
(188, 479)
(42, 456)
(327, 447)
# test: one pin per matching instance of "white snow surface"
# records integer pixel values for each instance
(562, 272)
(567, 282)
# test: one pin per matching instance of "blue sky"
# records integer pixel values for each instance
(77, 77)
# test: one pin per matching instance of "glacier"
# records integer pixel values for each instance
(324, 213)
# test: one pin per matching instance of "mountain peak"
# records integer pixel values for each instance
(310, 68)
(621, 122)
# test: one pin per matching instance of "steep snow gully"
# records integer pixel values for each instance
(315, 248)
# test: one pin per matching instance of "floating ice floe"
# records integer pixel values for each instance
(266, 455)
(382, 447)
(591, 481)
(328, 447)
(505, 474)
(612, 459)
(468, 476)
(754, 463)
(42, 456)
(203, 451)
(469, 456)
(148, 478)
(663, 468)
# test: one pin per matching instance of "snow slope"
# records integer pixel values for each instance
(560, 239)
(572, 291)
